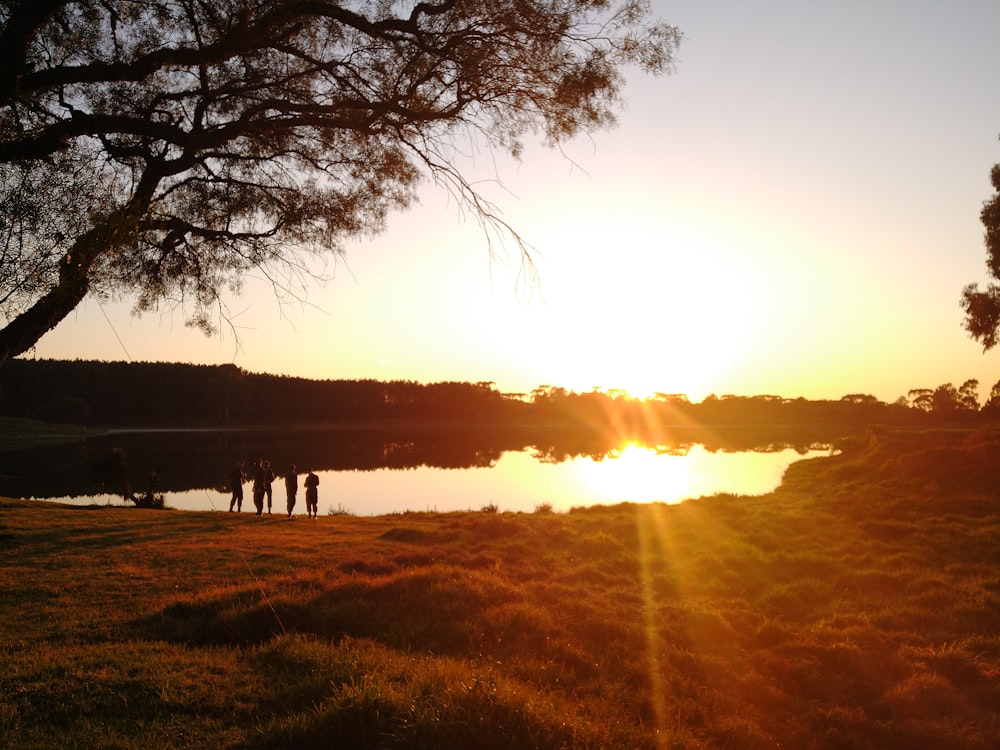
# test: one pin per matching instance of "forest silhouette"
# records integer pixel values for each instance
(174, 395)
(190, 423)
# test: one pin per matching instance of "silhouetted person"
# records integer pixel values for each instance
(291, 487)
(259, 480)
(268, 478)
(312, 494)
(236, 479)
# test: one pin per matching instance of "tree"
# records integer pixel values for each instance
(944, 399)
(921, 398)
(992, 405)
(862, 399)
(968, 395)
(982, 308)
(162, 148)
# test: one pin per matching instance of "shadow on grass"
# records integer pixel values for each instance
(358, 693)
(431, 609)
(60, 536)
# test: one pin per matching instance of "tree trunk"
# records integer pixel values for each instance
(24, 331)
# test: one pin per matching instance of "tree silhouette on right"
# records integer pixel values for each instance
(982, 308)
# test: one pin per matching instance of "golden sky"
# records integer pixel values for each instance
(795, 212)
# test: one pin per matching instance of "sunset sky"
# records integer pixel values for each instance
(794, 211)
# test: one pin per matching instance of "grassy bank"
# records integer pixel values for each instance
(30, 433)
(856, 607)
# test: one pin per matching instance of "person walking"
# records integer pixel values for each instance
(291, 487)
(259, 480)
(268, 478)
(312, 494)
(236, 480)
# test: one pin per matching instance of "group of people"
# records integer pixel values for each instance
(262, 475)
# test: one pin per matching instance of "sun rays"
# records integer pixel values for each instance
(664, 551)
(652, 536)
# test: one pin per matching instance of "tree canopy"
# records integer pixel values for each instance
(161, 149)
(982, 308)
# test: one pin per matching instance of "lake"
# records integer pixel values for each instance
(372, 472)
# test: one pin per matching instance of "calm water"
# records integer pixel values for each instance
(379, 476)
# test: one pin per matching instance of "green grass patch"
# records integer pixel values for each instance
(29, 433)
(857, 606)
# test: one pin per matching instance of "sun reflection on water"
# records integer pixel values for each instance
(640, 474)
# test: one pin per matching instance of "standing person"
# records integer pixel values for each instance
(268, 478)
(236, 480)
(291, 487)
(259, 480)
(312, 494)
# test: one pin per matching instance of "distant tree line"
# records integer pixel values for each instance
(142, 394)
(119, 394)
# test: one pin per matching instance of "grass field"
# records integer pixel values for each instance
(28, 433)
(856, 607)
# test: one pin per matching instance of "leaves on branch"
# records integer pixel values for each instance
(171, 146)
(982, 308)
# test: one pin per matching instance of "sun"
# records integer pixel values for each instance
(641, 364)
(683, 368)
(682, 313)
(641, 389)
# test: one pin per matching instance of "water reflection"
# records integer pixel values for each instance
(374, 471)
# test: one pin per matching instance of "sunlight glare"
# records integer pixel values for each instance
(639, 474)
(672, 317)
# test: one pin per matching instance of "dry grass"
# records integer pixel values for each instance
(856, 607)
